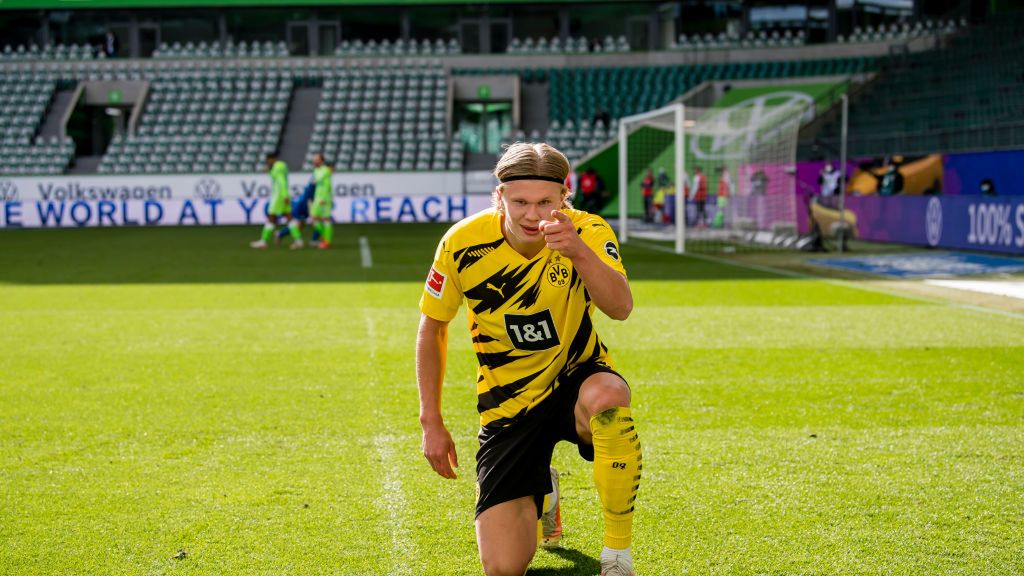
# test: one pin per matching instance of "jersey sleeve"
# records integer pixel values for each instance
(279, 176)
(442, 292)
(321, 177)
(599, 236)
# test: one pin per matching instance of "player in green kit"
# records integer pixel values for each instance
(280, 200)
(323, 200)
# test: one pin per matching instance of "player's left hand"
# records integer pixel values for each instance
(560, 234)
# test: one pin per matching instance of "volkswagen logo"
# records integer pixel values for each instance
(8, 191)
(729, 133)
(207, 189)
(933, 221)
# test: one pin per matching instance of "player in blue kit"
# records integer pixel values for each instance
(300, 214)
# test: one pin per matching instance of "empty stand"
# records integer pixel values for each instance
(571, 45)
(217, 107)
(72, 52)
(219, 120)
(24, 99)
(728, 41)
(385, 118)
(576, 95)
(950, 99)
(266, 49)
(898, 31)
(398, 47)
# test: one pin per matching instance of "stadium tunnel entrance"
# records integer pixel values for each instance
(484, 111)
(98, 113)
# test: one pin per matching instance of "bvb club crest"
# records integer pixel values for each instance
(557, 273)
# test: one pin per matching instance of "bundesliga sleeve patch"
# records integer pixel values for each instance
(435, 283)
(612, 250)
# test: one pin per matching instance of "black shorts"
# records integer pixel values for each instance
(514, 461)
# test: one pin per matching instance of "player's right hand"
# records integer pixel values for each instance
(439, 450)
(560, 234)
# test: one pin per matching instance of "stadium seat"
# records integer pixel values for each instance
(959, 109)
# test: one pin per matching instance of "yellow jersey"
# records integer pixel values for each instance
(530, 319)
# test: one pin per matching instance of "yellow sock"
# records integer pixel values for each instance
(618, 461)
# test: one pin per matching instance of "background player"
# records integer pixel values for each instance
(280, 199)
(300, 214)
(531, 270)
(323, 200)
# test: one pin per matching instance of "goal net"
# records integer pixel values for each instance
(731, 170)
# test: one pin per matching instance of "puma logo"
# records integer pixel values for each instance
(499, 290)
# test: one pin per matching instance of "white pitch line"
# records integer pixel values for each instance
(833, 281)
(393, 502)
(391, 499)
(1008, 289)
(364, 252)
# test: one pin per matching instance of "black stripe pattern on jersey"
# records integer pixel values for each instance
(573, 281)
(499, 288)
(492, 360)
(472, 254)
(530, 295)
(578, 346)
(499, 394)
(504, 421)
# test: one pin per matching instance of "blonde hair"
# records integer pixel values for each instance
(531, 159)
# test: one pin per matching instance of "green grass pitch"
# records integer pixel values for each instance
(172, 402)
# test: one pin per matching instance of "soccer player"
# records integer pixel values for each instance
(323, 200)
(647, 189)
(700, 197)
(300, 214)
(661, 194)
(531, 270)
(722, 201)
(280, 199)
(828, 180)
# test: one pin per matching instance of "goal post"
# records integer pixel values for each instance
(723, 178)
(667, 119)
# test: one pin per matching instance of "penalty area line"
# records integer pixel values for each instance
(365, 257)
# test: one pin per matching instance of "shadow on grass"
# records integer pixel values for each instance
(221, 254)
(581, 564)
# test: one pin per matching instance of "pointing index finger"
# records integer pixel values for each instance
(561, 216)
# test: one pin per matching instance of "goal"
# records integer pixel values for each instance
(732, 172)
